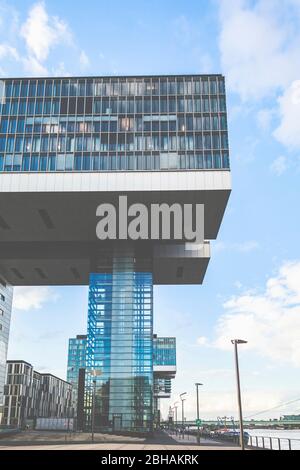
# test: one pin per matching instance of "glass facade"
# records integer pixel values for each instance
(113, 124)
(119, 343)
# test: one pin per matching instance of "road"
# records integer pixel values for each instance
(60, 441)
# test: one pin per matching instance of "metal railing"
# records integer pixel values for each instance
(274, 443)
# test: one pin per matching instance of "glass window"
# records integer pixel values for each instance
(217, 160)
(32, 88)
(34, 163)
(10, 142)
(205, 104)
(17, 163)
(40, 88)
(213, 87)
(86, 162)
(222, 105)
(25, 162)
(8, 162)
(24, 89)
(19, 144)
(199, 160)
(225, 160)
(197, 105)
(214, 105)
(16, 89)
(224, 140)
(208, 161)
(21, 125)
(56, 88)
(3, 126)
(30, 107)
(60, 162)
(180, 105)
(215, 123)
(205, 87)
(43, 163)
(223, 122)
(216, 141)
(52, 162)
(22, 107)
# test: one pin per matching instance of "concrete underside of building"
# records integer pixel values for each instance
(48, 222)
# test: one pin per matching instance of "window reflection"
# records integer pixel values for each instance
(113, 123)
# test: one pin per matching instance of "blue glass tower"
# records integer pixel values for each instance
(119, 343)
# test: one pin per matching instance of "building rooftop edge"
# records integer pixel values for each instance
(16, 361)
(13, 361)
(114, 76)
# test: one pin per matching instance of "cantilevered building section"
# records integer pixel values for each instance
(68, 145)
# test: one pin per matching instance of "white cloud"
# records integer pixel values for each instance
(84, 60)
(8, 52)
(60, 70)
(259, 44)
(202, 341)
(28, 298)
(269, 321)
(279, 165)
(41, 32)
(33, 66)
(288, 132)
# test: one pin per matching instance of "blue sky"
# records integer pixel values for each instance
(252, 286)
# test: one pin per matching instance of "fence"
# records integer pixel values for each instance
(273, 443)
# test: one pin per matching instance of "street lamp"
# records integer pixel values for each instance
(93, 408)
(182, 407)
(235, 342)
(94, 373)
(198, 384)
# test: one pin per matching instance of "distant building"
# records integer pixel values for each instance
(29, 395)
(290, 418)
(6, 294)
(76, 371)
(164, 370)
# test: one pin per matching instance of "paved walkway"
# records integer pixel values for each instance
(56, 441)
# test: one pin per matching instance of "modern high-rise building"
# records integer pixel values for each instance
(76, 363)
(6, 294)
(68, 145)
(29, 395)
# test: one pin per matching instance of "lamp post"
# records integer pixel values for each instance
(94, 373)
(175, 406)
(235, 342)
(93, 409)
(182, 408)
(198, 414)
